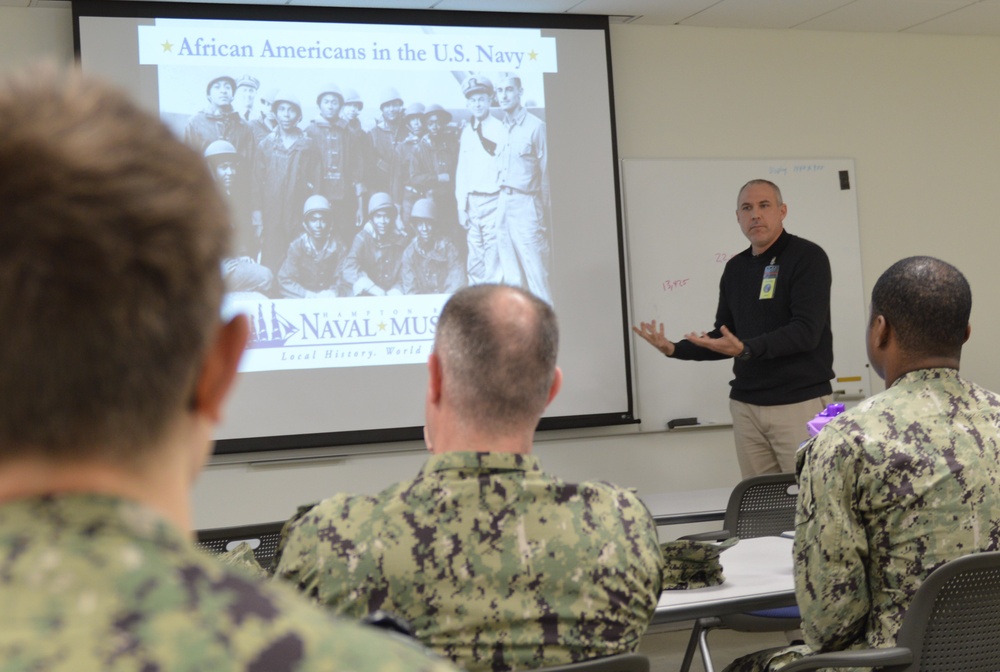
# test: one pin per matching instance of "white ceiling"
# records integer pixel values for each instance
(947, 17)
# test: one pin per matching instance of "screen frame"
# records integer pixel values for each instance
(312, 14)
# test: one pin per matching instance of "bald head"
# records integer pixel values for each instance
(760, 182)
(498, 348)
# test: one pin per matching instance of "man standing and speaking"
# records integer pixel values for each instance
(773, 319)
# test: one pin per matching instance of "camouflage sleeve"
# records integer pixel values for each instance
(831, 549)
(287, 529)
(645, 559)
(647, 544)
(321, 555)
(272, 630)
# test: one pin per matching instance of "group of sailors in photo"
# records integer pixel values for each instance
(416, 204)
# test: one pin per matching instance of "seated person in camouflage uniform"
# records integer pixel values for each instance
(495, 563)
(114, 365)
(312, 267)
(905, 482)
(431, 264)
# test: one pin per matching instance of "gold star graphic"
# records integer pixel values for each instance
(167, 46)
(382, 326)
(532, 56)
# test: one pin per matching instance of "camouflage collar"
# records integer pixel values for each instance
(90, 514)
(923, 375)
(483, 462)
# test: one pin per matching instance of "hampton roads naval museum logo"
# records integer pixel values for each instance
(320, 333)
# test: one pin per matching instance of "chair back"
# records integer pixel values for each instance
(762, 506)
(262, 537)
(953, 622)
(623, 662)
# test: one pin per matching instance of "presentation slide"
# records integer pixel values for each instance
(374, 163)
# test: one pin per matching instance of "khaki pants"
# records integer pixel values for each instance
(768, 436)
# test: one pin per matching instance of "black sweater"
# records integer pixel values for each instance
(788, 335)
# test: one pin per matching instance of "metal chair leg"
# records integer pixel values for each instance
(699, 640)
(691, 646)
(706, 658)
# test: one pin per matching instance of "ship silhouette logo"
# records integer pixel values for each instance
(274, 335)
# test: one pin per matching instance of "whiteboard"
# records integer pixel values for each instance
(680, 219)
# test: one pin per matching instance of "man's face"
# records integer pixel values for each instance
(317, 224)
(434, 124)
(220, 94)
(350, 112)
(424, 227)
(381, 220)
(287, 115)
(244, 98)
(760, 216)
(225, 173)
(329, 106)
(415, 125)
(479, 105)
(392, 110)
(267, 112)
(509, 94)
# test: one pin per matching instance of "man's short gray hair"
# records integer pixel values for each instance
(777, 191)
(498, 356)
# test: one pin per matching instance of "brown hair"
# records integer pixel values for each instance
(111, 239)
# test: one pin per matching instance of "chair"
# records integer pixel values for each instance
(623, 662)
(952, 624)
(262, 537)
(759, 506)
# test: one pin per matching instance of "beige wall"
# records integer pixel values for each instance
(915, 112)
(29, 34)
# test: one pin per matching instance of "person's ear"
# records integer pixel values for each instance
(434, 378)
(219, 366)
(968, 332)
(556, 385)
(880, 332)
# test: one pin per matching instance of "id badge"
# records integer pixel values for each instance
(769, 281)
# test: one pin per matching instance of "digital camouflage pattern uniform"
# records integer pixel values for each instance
(888, 492)
(494, 563)
(89, 583)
